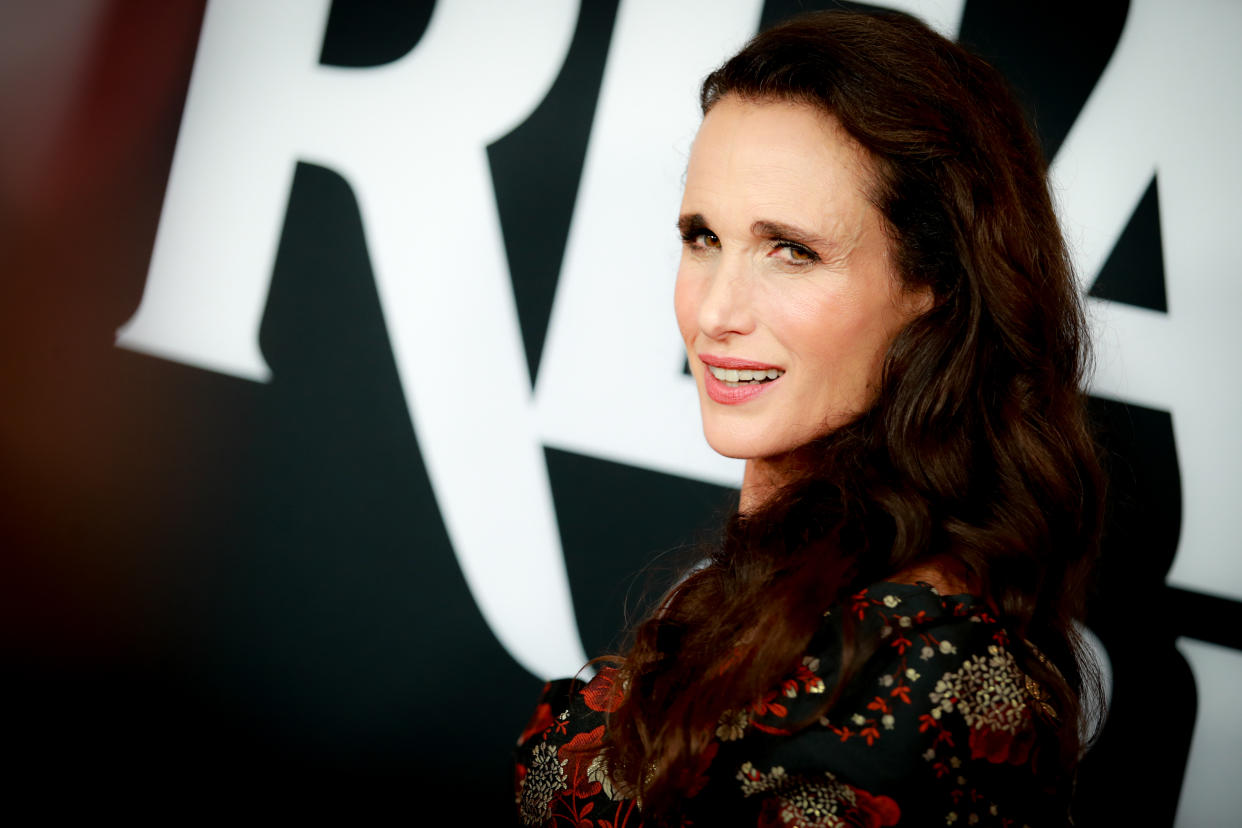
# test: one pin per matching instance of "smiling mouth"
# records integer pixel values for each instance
(736, 377)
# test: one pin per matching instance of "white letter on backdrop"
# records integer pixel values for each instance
(411, 139)
(1210, 790)
(1167, 105)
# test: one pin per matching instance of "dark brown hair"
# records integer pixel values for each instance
(976, 454)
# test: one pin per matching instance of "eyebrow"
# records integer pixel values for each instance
(690, 223)
(779, 230)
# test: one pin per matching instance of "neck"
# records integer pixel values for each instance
(762, 478)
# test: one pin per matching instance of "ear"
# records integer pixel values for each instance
(916, 301)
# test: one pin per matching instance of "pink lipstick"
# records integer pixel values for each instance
(734, 381)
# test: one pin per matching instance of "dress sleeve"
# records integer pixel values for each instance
(936, 728)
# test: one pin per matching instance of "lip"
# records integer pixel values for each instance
(718, 392)
(734, 362)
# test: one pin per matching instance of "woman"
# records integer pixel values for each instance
(880, 315)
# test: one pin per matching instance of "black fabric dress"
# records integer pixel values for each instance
(939, 728)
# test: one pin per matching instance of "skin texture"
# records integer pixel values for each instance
(784, 263)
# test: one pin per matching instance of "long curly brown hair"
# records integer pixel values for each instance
(976, 455)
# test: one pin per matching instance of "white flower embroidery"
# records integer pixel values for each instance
(989, 693)
(818, 799)
(597, 771)
(732, 725)
(543, 781)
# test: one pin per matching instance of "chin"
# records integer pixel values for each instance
(728, 450)
(759, 441)
(749, 444)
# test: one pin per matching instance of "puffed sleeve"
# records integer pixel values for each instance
(937, 727)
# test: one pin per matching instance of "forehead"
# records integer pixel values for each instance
(764, 155)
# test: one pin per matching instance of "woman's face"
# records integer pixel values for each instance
(786, 294)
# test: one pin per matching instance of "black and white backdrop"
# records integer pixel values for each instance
(343, 404)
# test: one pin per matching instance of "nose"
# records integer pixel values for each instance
(726, 307)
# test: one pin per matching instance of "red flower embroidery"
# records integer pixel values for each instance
(603, 693)
(803, 679)
(539, 722)
(578, 753)
(875, 811)
(768, 704)
(1000, 746)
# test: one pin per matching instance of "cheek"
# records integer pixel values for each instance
(686, 304)
(833, 338)
(809, 322)
(856, 355)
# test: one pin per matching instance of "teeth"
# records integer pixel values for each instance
(740, 375)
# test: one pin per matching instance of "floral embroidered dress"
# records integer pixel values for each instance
(939, 727)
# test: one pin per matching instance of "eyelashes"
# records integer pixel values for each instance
(797, 253)
(700, 239)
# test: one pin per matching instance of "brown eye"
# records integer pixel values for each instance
(795, 253)
(700, 240)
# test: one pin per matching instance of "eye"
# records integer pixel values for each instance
(700, 239)
(794, 253)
